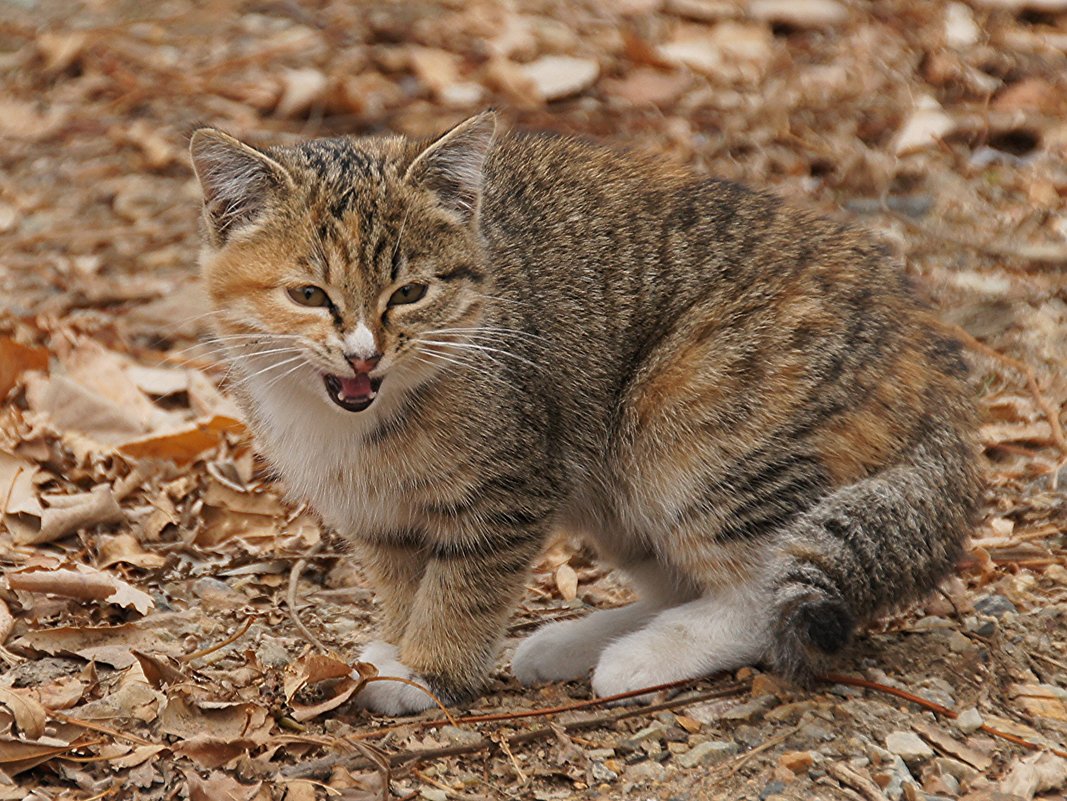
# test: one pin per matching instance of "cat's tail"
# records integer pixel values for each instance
(887, 539)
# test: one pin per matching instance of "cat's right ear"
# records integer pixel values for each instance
(452, 166)
(238, 182)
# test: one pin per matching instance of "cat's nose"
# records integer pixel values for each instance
(363, 364)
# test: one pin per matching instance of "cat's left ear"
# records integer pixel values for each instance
(453, 166)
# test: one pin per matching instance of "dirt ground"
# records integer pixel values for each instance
(151, 570)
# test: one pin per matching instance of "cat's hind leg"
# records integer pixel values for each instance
(569, 649)
(722, 630)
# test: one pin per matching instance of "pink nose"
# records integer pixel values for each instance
(361, 365)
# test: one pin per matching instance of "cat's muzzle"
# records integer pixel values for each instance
(352, 393)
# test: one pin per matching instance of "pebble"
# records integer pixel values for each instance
(800, 13)
(925, 127)
(646, 772)
(994, 605)
(772, 789)
(960, 28)
(960, 643)
(969, 720)
(982, 627)
(797, 761)
(708, 752)
(601, 772)
(909, 746)
(433, 794)
(751, 711)
(556, 77)
(749, 736)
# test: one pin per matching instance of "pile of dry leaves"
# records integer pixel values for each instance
(161, 605)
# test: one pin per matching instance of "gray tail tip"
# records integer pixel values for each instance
(808, 635)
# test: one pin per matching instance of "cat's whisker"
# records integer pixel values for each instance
(486, 348)
(276, 379)
(268, 368)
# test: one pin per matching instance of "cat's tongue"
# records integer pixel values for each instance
(352, 393)
(357, 388)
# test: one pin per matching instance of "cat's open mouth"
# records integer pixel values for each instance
(352, 393)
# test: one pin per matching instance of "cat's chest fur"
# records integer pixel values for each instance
(361, 486)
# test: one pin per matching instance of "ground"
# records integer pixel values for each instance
(151, 571)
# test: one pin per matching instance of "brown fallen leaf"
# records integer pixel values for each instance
(185, 444)
(218, 786)
(7, 622)
(310, 669)
(61, 515)
(109, 645)
(15, 359)
(17, 757)
(82, 582)
(126, 549)
(29, 714)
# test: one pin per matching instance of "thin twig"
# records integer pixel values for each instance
(324, 766)
(229, 640)
(294, 579)
(99, 728)
(440, 704)
(855, 681)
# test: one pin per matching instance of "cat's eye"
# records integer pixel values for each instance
(409, 293)
(309, 296)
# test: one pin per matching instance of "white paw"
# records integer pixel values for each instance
(623, 668)
(556, 652)
(391, 697)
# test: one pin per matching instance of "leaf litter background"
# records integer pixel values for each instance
(150, 562)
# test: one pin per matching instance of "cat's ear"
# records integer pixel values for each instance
(453, 166)
(238, 181)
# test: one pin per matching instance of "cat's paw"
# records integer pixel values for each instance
(623, 668)
(391, 697)
(556, 652)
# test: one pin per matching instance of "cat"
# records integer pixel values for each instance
(453, 348)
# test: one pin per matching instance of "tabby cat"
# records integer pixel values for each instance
(453, 348)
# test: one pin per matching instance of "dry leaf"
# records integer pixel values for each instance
(126, 549)
(567, 582)
(110, 645)
(310, 669)
(185, 444)
(29, 714)
(61, 515)
(82, 582)
(15, 359)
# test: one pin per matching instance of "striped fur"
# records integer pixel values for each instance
(739, 403)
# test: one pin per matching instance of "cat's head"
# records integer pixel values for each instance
(340, 262)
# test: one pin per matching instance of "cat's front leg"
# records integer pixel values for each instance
(458, 616)
(395, 566)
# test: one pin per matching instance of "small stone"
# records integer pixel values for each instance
(749, 736)
(927, 125)
(790, 711)
(601, 773)
(930, 623)
(960, 643)
(677, 748)
(772, 789)
(600, 753)
(751, 710)
(271, 651)
(646, 772)
(797, 761)
(960, 28)
(799, 13)
(433, 794)
(960, 771)
(556, 77)
(652, 732)
(994, 606)
(675, 735)
(709, 752)
(969, 720)
(909, 746)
